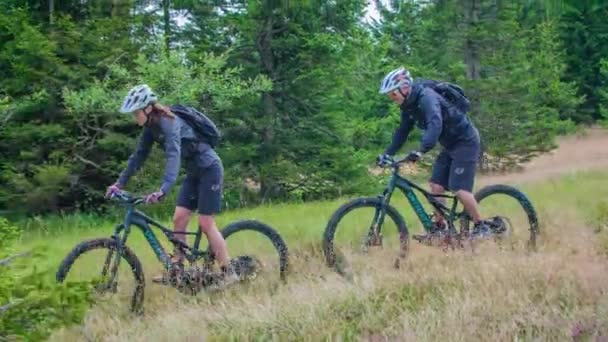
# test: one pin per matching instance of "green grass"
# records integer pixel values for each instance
(493, 295)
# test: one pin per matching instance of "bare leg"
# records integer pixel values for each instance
(437, 189)
(470, 204)
(181, 217)
(218, 246)
(215, 238)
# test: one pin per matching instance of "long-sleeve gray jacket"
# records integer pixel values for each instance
(178, 141)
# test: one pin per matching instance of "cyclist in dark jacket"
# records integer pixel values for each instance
(455, 167)
(202, 188)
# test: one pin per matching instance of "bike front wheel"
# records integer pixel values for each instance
(365, 222)
(83, 262)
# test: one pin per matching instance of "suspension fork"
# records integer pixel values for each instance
(121, 240)
(108, 260)
(374, 236)
(385, 199)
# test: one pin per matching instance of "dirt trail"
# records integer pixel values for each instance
(575, 153)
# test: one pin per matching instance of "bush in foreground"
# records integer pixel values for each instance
(31, 303)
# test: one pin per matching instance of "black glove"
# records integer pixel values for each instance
(413, 157)
(384, 160)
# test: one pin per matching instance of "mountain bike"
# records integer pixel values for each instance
(189, 280)
(439, 232)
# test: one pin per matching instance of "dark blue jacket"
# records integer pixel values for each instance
(178, 141)
(440, 121)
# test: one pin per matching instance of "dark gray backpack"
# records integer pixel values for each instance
(453, 93)
(200, 123)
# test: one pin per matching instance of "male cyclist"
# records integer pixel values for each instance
(454, 169)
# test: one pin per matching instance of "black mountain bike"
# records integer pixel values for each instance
(447, 235)
(188, 280)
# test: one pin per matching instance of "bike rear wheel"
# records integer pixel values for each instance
(243, 247)
(372, 221)
(110, 275)
(513, 208)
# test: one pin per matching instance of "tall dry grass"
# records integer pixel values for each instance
(559, 293)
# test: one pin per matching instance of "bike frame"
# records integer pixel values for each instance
(408, 188)
(137, 218)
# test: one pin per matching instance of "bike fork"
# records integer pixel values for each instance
(374, 235)
(120, 242)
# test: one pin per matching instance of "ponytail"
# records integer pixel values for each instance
(163, 110)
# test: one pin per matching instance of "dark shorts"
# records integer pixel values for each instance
(455, 169)
(202, 189)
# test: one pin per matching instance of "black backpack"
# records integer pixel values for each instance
(200, 123)
(453, 93)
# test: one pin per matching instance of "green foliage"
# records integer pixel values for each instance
(599, 222)
(603, 92)
(31, 304)
(292, 85)
(208, 85)
(42, 190)
(302, 127)
(8, 235)
(520, 100)
(524, 102)
(584, 33)
(28, 60)
(5, 113)
(600, 217)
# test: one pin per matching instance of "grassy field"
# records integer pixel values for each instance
(559, 293)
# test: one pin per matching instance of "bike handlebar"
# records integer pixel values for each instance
(395, 164)
(126, 197)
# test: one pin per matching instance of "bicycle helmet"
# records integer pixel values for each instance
(138, 97)
(395, 79)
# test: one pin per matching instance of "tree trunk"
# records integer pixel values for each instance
(51, 12)
(471, 48)
(472, 61)
(167, 21)
(269, 105)
(115, 10)
(264, 44)
(122, 9)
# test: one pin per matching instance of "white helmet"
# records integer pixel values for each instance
(138, 97)
(395, 79)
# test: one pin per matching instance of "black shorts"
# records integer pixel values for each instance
(455, 169)
(202, 189)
